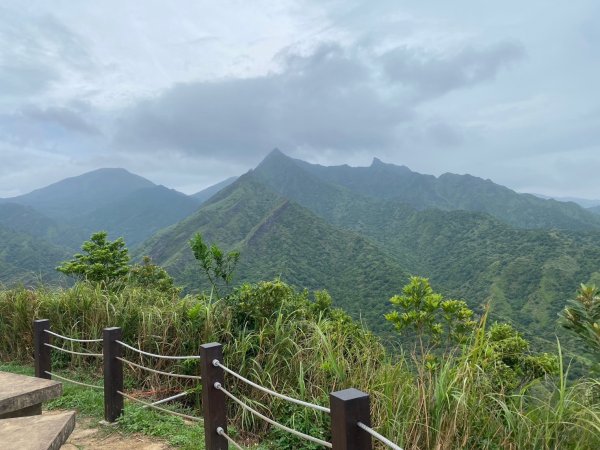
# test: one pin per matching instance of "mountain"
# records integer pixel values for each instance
(594, 209)
(27, 220)
(114, 200)
(583, 202)
(526, 274)
(207, 193)
(447, 192)
(278, 237)
(83, 194)
(139, 214)
(28, 260)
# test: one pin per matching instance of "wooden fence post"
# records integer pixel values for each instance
(213, 400)
(41, 355)
(113, 373)
(348, 407)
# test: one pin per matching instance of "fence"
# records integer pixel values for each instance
(349, 409)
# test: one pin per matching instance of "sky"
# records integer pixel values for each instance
(188, 93)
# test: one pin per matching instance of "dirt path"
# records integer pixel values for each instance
(88, 436)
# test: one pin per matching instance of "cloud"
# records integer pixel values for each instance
(432, 75)
(37, 51)
(332, 98)
(66, 118)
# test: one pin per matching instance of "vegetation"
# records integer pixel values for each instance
(582, 317)
(102, 262)
(295, 342)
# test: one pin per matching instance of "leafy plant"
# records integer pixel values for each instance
(582, 317)
(102, 262)
(432, 319)
(216, 264)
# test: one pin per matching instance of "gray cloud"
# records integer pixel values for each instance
(35, 51)
(434, 75)
(66, 118)
(332, 98)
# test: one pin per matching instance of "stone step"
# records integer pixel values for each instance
(43, 432)
(21, 395)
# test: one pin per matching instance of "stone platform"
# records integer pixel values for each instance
(43, 432)
(21, 395)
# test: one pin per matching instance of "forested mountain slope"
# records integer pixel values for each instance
(277, 237)
(526, 274)
(26, 259)
(449, 192)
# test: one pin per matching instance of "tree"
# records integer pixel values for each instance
(217, 265)
(102, 261)
(430, 318)
(151, 276)
(582, 317)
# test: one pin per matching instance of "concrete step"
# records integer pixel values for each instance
(21, 395)
(43, 432)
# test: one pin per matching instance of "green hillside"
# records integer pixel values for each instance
(207, 193)
(451, 192)
(26, 259)
(525, 274)
(138, 215)
(27, 220)
(82, 194)
(277, 237)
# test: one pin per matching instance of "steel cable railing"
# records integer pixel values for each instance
(97, 355)
(160, 372)
(154, 355)
(378, 436)
(271, 421)
(72, 339)
(153, 406)
(216, 363)
(221, 432)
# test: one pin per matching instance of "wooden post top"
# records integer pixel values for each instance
(20, 391)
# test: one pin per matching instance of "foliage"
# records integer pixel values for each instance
(582, 317)
(432, 319)
(102, 262)
(300, 346)
(149, 275)
(509, 361)
(217, 265)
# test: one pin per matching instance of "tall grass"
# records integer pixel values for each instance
(307, 350)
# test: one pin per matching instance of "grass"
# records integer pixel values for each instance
(285, 340)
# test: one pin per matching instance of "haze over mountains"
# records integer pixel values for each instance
(358, 232)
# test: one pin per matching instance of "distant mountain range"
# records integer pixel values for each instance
(357, 231)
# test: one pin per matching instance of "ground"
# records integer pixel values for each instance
(89, 435)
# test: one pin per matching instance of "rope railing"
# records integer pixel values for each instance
(97, 355)
(160, 372)
(216, 363)
(72, 339)
(346, 403)
(153, 406)
(73, 381)
(154, 355)
(221, 432)
(271, 421)
(378, 436)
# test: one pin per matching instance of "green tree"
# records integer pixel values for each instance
(217, 265)
(430, 318)
(151, 276)
(508, 360)
(102, 261)
(582, 317)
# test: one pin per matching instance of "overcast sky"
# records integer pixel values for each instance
(187, 93)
